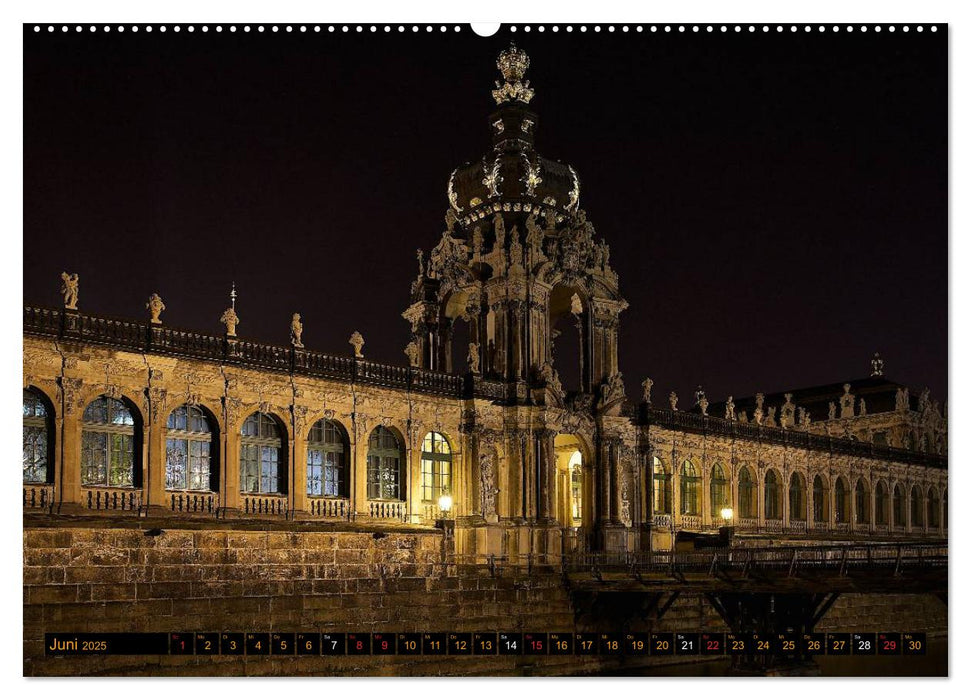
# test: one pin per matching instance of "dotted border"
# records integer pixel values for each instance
(428, 28)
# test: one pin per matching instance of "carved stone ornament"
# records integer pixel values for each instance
(230, 320)
(296, 331)
(155, 307)
(846, 402)
(69, 288)
(157, 399)
(473, 358)
(512, 63)
(646, 385)
(412, 353)
(673, 400)
(488, 487)
(730, 409)
(357, 342)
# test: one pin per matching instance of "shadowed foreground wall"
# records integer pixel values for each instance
(101, 579)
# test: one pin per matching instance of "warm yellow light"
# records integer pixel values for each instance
(445, 503)
(727, 513)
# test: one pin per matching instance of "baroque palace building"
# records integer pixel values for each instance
(133, 418)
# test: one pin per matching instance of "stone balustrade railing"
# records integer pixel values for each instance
(388, 510)
(329, 507)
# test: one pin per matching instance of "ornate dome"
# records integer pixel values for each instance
(513, 177)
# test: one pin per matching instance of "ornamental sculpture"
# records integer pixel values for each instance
(155, 307)
(877, 365)
(412, 353)
(296, 331)
(730, 409)
(473, 358)
(846, 402)
(230, 320)
(357, 342)
(673, 399)
(512, 63)
(702, 401)
(69, 288)
(646, 386)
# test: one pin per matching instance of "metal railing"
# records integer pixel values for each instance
(893, 556)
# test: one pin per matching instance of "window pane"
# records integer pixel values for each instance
(269, 470)
(97, 411)
(94, 470)
(314, 473)
(175, 464)
(249, 469)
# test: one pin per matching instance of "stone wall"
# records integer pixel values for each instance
(117, 579)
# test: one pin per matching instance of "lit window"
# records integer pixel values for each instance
(862, 502)
(820, 500)
(773, 500)
(662, 488)
(719, 491)
(262, 464)
(576, 486)
(746, 494)
(436, 467)
(797, 497)
(327, 459)
(37, 443)
(689, 488)
(384, 460)
(107, 444)
(188, 450)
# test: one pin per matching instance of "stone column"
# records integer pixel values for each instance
(154, 484)
(69, 442)
(231, 501)
(616, 481)
(547, 475)
(298, 461)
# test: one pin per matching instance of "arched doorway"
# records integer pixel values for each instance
(574, 489)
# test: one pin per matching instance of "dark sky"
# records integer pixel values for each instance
(776, 204)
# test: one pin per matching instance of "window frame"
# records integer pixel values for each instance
(253, 452)
(191, 438)
(115, 436)
(334, 474)
(382, 461)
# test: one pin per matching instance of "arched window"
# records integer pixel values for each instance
(773, 496)
(37, 439)
(327, 450)
(689, 488)
(384, 466)
(933, 508)
(576, 485)
(881, 501)
(746, 494)
(107, 444)
(436, 467)
(899, 518)
(820, 500)
(262, 461)
(189, 450)
(662, 488)
(842, 501)
(862, 502)
(719, 491)
(916, 507)
(797, 497)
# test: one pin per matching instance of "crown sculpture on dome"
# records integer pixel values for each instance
(512, 63)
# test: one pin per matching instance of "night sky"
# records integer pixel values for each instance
(776, 204)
